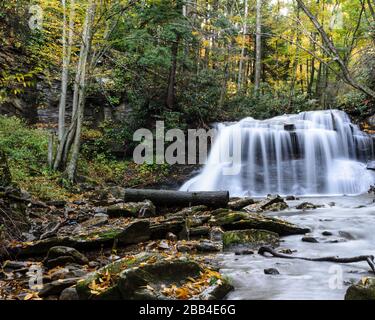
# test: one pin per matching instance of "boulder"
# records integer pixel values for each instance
(132, 233)
(250, 238)
(363, 290)
(238, 220)
(98, 220)
(139, 277)
(61, 255)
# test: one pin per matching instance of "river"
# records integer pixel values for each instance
(352, 224)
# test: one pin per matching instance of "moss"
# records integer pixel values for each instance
(251, 238)
(364, 290)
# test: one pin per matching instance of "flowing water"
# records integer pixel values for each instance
(321, 156)
(352, 227)
(311, 153)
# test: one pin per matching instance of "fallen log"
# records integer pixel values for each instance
(369, 259)
(216, 199)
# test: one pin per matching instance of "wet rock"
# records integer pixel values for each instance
(291, 198)
(271, 203)
(55, 288)
(69, 294)
(310, 239)
(61, 255)
(217, 291)
(243, 252)
(346, 235)
(327, 233)
(363, 290)
(143, 209)
(370, 165)
(252, 238)
(208, 246)
(307, 206)
(239, 203)
(271, 271)
(238, 220)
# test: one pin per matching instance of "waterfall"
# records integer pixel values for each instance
(310, 153)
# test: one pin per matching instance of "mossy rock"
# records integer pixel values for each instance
(238, 220)
(363, 290)
(135, 232)
(130, 277)
(250, 238)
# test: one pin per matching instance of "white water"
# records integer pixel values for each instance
(299, 279)
(311, 153)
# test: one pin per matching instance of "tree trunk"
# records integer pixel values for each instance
(217, 199)
(67, 48)
(335, 55)
(172, 75)
(243, 49)
(258, 49)
(79, 110)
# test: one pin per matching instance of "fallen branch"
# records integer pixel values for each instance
(369, 259)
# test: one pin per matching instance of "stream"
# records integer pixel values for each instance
(352, 223)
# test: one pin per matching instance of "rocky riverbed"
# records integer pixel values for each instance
(102, 247)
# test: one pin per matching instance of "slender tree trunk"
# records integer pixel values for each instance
(243, 49)
(67, 48)
(79, 112)
(172, 75)
(258, 49)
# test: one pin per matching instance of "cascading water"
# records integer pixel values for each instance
(311, 153)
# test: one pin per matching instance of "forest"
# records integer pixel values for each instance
(288, 84)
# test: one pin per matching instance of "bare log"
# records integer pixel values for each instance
(171, 198)
(369, 259)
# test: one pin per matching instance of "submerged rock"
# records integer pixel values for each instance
(271, 271)
(250, 238)
(307, 206)
(363, 290)
(237, 220)
(310, 239)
